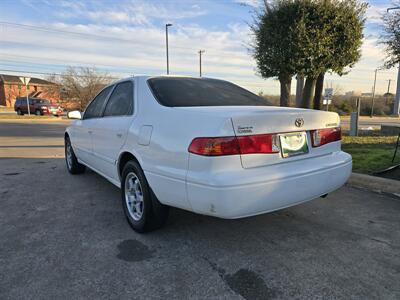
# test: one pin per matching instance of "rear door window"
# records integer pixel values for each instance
(184, 91)
(120, 102)
(95, 108)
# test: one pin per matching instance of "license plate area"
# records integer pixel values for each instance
(293, 144)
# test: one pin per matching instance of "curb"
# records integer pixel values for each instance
(36, 120)
(378, 184)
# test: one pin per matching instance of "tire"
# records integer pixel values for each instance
(148, 213)
(73, 166)
(38, 113)
(19, 112)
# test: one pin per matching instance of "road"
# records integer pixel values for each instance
(65, 237)
(367, 121)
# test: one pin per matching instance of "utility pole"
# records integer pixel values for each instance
(166, 44)
(200, 53)
(373, 94)
(25, 80)
(388, 91)
(389, 82)
(396, 104)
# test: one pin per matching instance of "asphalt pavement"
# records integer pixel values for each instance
(65, 237)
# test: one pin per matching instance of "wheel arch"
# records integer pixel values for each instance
(124, 157)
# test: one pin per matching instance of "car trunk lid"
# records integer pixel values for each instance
(290, 126)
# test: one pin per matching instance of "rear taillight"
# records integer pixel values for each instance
(325, 136)
(218, 146)
(215, 146)
(262, 143)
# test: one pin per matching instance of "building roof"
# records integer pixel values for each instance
(15, 79)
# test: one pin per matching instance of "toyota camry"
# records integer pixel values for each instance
(206, 146)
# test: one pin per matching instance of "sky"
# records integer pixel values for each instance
(126, 37)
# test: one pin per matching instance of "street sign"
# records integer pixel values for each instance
(25, 80)
(326, 101)
(328, 97)
(328, 93)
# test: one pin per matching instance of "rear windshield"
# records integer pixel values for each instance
(41, 101)
(178, 92)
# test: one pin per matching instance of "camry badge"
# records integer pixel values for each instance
(299, 122)
(245, 129)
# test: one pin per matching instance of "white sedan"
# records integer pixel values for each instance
(204, 145)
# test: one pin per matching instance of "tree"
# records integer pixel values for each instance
(275, 47)
(391, 37)
(307, 38)
(337, 28)
(79, 86)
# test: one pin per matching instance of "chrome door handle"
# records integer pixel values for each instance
(119, 135)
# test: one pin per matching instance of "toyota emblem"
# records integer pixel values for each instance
(299, 122)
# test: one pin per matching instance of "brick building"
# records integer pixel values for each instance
(11, 87)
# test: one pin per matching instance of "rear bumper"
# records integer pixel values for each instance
(270, 188)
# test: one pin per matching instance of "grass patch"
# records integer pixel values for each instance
(371, 154)
(24, 117)
(6, 109)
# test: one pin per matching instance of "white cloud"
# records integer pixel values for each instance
(125, 12)
(374, 13)
(252, 3)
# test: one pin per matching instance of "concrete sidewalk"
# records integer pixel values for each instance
(374, 183)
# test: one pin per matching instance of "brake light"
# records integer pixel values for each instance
(218, 146)
(215, 146)
(325, 136)
(262, 143)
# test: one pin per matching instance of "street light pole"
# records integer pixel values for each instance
(166, 44)
(373, 94)
(200, 53)
(396, 104)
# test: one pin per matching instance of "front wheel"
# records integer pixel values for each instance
(38, 113)
(73, 166)
(141, 207)
(19, 112)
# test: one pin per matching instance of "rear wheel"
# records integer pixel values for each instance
(38, 113)
(73, 166)
(141, 207)
(19, 112)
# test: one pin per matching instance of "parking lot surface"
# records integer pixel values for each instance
(65, 237)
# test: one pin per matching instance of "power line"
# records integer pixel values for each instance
(38, 60)
(103, 37)
(46, 73)
(113, 77)
(76, 64)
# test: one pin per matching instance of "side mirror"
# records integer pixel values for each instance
(75, 114)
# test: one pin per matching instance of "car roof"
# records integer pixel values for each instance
(160, 76)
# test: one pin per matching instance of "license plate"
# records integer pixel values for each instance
(294, 144)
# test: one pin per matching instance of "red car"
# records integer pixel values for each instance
(37, 106)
